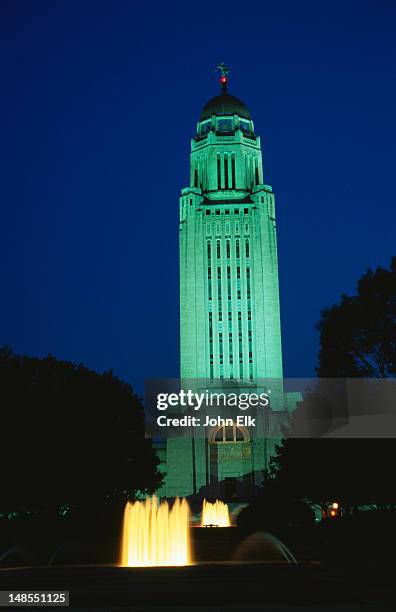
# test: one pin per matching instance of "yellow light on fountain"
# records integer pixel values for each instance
(215, 514)
(154, 534)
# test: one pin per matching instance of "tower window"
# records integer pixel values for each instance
(237, 249)
(247, 248)
(233, 172)
(218, 249)
(246, 211)
(257, 175)
(208, 212)
(224, 125)
(225, 171)
(219, 436)
(205, 127)
(217, 212)
(239, 437)
(209, 251)
(229, 435)
(218, 174)
(228, 249)
(196, 178)
(227, 212)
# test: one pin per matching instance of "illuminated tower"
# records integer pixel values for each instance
(229, 295)
(229, 303)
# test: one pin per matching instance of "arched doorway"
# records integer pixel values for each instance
(230, 462)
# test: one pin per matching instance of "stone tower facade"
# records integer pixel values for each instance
(230, 333)
(229, 294)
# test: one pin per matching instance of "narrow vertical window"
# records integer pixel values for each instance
(247, 248)
(196, 178)
(257, 174)
(218, 249)
(233, 172)
(218, 173)
(228, 249)
(209, 251)
(237, 249)
(226, 171)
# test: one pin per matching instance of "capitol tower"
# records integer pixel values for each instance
(229, 294)
(230, 333)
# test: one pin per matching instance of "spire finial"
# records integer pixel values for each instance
(222, 68)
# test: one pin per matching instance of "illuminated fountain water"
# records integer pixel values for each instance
(215, 515)
(261, 546)
(155, 534)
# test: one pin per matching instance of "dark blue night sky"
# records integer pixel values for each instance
(98, 104)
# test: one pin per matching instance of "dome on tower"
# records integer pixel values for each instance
(224, 104)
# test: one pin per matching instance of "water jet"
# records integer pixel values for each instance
(215, 514)
(155, 534)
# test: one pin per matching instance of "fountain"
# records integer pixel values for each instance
(155, 534)
(17, 556)
(261, 546)
(215, 515)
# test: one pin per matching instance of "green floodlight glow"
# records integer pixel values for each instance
(229, 293)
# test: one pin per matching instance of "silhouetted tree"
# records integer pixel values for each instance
(358, 335)
(320, 470)
(275, 510)
(357, 339)
(69, 436)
